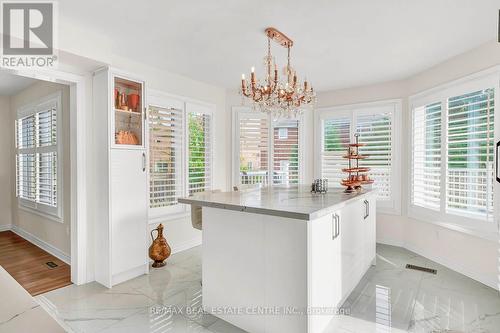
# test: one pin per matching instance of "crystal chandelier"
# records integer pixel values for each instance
(286, 98)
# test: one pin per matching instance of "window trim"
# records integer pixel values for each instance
(485, 79)
(237, 113)
(160, 98)
(32, 108)
(393, 206)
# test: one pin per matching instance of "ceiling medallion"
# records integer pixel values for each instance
(285, 98)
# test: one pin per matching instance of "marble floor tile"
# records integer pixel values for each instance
(155, 321)
(451, 301)
(389, 299)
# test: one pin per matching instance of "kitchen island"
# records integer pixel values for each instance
(282, 259)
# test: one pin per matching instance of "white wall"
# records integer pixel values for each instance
(6, 141)
(468, 254)
(56, 234)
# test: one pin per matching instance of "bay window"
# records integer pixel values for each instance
(267, 151)
(452, 155)
(377, 126)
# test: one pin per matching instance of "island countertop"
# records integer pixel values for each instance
(296, 202)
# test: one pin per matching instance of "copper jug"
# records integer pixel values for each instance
(159, 250)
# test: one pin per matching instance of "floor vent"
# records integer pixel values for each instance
(420, 268)
(51, 264)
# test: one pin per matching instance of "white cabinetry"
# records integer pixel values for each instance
(341, 249)
(121, 215)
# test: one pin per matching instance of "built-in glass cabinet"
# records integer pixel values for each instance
(128, 110)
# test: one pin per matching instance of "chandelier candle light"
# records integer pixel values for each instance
(285, 98)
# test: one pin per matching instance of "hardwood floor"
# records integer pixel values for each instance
(26, 263)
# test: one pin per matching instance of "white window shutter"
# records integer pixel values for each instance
(285, 152)
(426, 156)
(47, 178)
(375, 130)
(165, 156)
(26, 176)
(336, 137)
(25, 132)
(200, 152)
(470, 156)
(46, 127)
(254, 150)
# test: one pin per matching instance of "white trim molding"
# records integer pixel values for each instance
(186, 245)
(42, 244)
(5, 227)
(80, 99)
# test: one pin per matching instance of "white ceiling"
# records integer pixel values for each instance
(12, 84)
(337, 43)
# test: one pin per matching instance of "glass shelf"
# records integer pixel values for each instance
(128, 112)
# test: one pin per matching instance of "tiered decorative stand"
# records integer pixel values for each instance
(356, 175)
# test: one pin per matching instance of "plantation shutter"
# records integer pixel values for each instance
(47, 178)
(200, 152)
(286, 152)
(426, 156)
(46, 128)
(375, 130)
(470, 156)
(26, 176)
(254, 151)
(336, 137)
(46, 159)
(36, 158)
(165, 156)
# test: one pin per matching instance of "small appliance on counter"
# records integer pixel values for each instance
(319, 186)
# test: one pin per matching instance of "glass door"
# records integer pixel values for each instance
(128, 112)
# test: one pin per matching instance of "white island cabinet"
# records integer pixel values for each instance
(282, 259)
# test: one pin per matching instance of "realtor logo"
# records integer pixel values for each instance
(28, 34)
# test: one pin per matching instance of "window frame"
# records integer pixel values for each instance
(161, 99)
(467, 224)
(238, 113)
(352, 111)
(40, 105)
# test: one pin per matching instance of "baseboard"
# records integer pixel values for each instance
(5, 227)
(129, 274)
(488, 281)
(392, 242)
(42, 244)
(186, 245)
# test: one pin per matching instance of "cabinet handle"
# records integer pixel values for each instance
(143, 162)
(334, 226)
(338, 225)
(367, 209)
